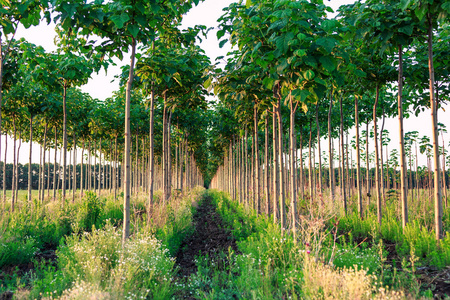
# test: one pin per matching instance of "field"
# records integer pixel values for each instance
(203, 245)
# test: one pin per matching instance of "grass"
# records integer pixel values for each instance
(90, 258)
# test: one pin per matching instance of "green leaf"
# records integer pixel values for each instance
(282, 42)
(360, 73)
(328, 63)
(404, 4)
(120, 20)
(256, 48)
(309, 74)
(133, 29)
(300, 52)
(421, 12)
(248, 3)
(327, 43)
(282, 66)
(408, 30)
(446, 6)
(222, 43)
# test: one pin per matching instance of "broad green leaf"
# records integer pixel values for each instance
(360, 73)
(309, 74)
(327, 43)
(300, 52)
(248, 3)
(222, 43)
(133, 29)
(446, 6)
(404, 4)
(120, 20)
(408, 30)
(421, 12)
(282, 66)
(328, 63)
(256, 48)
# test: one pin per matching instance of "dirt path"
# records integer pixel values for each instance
(210, 237)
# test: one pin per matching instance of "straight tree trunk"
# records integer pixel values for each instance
(256, 159)
(151, 175)
(54, 165)
(13, 188)
(64, 143)
(377, 163)
(4, 169)
(127, 180)
(403, 181)
(266, 163)
(74, 179)
(438, 211)
(358, 160)
(318, 148)
(29, 160)
(281, 162)
(292, 168)
(330, 147)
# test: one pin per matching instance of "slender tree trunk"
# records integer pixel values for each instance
(4, 168)
(64, 143)
(256, 159)
(30, 178)
(403, 181)
(318, 148)
(266, 163)
(377, 163)
(383, 192)
(281, 162)
(358, 160)
(438, 211)
(330, 147)
(293, 170)
(74, 179)
(151, 149)
(310, 171)
(367, 166)
(127, 187)
(17, 165)
(302, 182)
(13, 188)
(54, 166)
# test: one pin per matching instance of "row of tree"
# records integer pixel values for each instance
(320, 76)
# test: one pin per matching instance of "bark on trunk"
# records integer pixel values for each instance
(438, 211)
(403, 180)
(127, 187)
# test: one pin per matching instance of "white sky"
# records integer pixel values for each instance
(206, 13)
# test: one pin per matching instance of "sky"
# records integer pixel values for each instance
(206, 13)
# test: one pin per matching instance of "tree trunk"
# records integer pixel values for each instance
(4, 168)
(310, 171)
(127, 187)
(281, 162)
(358, 160)
(403, 181)
(64, 143)
(29, 160)
(383, 192)
(151, 175)
(13, 188)
(54, 165)
(330, 147)
(292, 168)
(266, 163)
(74, 179)
(318, 147)
(438, 211)
(377, 163)
(256, 160)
